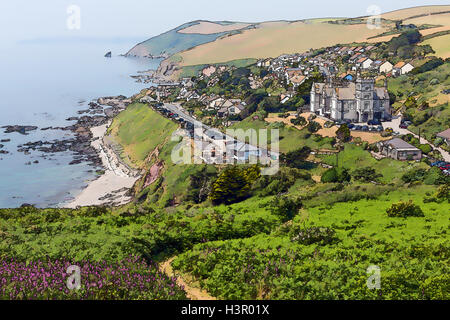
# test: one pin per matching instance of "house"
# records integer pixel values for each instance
(297, 80)
(399, 149)
(358, 101)
(354, 58)
(385, 67)
(364, 63)
(208, 71)
(238, 109)
(402, 68)
(445, 135)
(264, 63)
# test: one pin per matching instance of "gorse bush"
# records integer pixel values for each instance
(404, 209)
(285, 207)
(312, 235)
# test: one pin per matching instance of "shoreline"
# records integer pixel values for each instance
(111, 187)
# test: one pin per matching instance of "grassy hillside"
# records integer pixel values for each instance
(325, 251)
(178, 39)
(139, 130)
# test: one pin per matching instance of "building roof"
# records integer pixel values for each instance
(400, 144)
(381, 93)
(347, 93)
(400, 64)
(362, 60)
(297, 79)
(444, 134)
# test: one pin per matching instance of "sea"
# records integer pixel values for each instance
(42, 83)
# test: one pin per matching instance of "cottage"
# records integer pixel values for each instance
(402, 68)
(399, 149)
(385, 67)
(365, 63)
(445, 135)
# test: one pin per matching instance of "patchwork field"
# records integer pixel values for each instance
(415, 11)
(272, 39)
(206, 27)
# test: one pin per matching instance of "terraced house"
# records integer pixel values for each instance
(358, 101)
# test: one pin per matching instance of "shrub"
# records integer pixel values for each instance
(299, 121)
(336, 175)
(285, 207)
(404, 209)
(414, 175)
(313, 126)
(312, 235)
(426, 148)
(343, 133)
(366, 174)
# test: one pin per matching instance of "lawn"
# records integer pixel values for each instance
(290, 138)
(354, 157)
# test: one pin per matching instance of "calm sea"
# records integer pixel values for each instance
(42, 83)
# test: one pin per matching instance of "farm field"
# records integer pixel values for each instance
(272, 39)
(441, 45)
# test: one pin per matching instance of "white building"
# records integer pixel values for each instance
(358, 102)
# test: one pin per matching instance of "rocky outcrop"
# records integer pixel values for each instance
(19, 129)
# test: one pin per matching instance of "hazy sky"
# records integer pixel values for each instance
(28, 19)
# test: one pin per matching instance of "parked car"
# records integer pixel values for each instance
(446, 172)
(438, 163)
(365, 128)
(358, 127)
(380, 128)
(350, 125)
(372, 129)
(445, 167)
(404, 126)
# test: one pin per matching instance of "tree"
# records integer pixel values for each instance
(313, 126)
(336, 175)
(366, 174)
(343, 133)
(233, 185)
(296, 158)
(299, 121)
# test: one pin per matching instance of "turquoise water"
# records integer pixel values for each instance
(42, 83)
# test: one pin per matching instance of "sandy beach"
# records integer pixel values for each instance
(112, 186)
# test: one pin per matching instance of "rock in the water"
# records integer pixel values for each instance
(20, 129)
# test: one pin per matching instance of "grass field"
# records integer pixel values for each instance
(139, 130)
(190, 71)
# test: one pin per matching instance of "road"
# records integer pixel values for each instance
(395, 125)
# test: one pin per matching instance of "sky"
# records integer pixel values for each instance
(28, 19)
